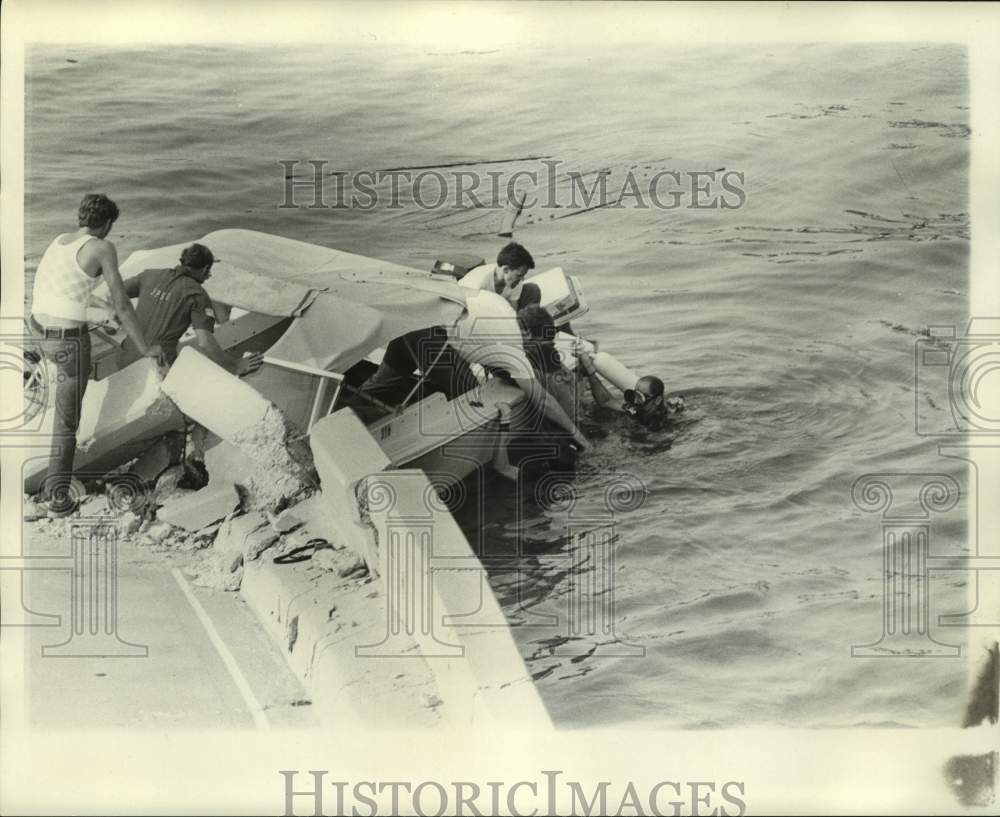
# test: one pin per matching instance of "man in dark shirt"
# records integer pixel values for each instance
(170, 301)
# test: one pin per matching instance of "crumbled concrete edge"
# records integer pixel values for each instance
(320, 612)
(286, 468)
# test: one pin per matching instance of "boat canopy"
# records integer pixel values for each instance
(344, 305)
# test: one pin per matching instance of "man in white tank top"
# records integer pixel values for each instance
(70, 269)
(505, 276)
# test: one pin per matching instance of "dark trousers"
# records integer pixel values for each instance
(422, 349)
(70, 357)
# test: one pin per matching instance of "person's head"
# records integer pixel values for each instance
(97, 213)
(531, 295)
(645, 401)
(513, 262)
(198, 259)
(539, 332)
(536, 324)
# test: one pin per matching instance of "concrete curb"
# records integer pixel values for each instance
(372, 662)
(318, 619)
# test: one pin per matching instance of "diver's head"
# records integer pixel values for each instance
(645, 401)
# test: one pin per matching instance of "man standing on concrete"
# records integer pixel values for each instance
(72, 266)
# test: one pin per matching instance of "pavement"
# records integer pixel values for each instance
(208, 662)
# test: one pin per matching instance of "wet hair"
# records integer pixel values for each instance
(96, 210)
(197, 256)
(515, 257)
(654, 386)
(538, 323)
(531, 295)
(539, 345)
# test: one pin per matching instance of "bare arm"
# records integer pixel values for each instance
(239, 366)
(132, 286)
(597, 388)
(108, 258)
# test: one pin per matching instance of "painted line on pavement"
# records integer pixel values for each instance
(256, 710)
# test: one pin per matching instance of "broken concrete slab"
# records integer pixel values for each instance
(128, 523)
(250, 535)
(344, 453)
(119, 418)
(225, 461)
(211, 396)
(236, 412)
(257, 542)
(200, 509)
(313, 515)
(219, 570)
(159, 531)
(285, 521)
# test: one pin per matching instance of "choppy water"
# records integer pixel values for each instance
(789, 324)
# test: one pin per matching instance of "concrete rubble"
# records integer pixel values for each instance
(237, 413)
(311, 559)
(121, 416)
(197, 510)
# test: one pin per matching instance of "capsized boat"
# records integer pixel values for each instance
(322, 318)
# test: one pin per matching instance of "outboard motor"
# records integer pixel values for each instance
(456, 266)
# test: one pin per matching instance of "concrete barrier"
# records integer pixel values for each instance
(236, 412)
(213, 397)
(344, 453)
(120, 415)
(438, 593)
(318, 621)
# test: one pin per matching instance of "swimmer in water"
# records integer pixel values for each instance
(647, 402)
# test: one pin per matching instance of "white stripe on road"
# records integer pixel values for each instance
(256, 710)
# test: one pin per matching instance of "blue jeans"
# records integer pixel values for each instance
(70, 356)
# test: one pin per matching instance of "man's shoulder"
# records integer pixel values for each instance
(479, 277)
(96, 246)
(153, 275)
(487, 302)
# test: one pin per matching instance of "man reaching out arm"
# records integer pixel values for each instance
(488, 334)
(171, 301)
